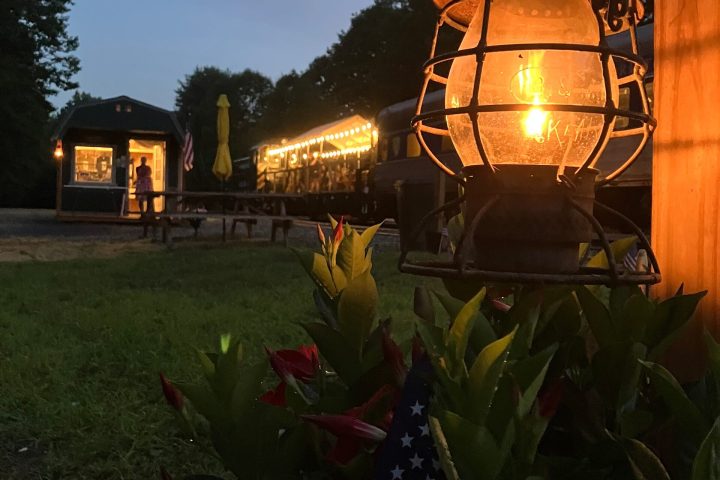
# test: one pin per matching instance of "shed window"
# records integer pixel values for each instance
(94, 164)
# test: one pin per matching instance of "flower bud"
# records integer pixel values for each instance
(172, 395)
(321, 235)
(346, 426)
(549, 400)
(282, 368)
(338, 233)
(499, 305)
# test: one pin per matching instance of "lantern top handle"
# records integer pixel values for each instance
(618, 15)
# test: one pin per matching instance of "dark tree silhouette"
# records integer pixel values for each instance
(376, 62)
(36, 61)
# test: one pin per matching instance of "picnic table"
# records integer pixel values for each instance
(235, 207)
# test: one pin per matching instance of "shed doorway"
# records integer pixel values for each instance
(154, 152)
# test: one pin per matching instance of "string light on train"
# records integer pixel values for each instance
(327, 138)
(345, 151)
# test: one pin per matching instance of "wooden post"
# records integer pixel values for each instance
(58, 185)
(686, 166)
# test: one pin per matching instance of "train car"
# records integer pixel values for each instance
(330, 165)
(403, 168)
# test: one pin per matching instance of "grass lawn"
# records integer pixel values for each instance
(82, 342)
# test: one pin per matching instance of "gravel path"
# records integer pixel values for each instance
(38, 235)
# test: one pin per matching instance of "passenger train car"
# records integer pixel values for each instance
(329, 165)
(376, 170)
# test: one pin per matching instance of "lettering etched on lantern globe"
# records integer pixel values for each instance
(531, 77)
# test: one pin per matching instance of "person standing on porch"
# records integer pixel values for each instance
(143, 184)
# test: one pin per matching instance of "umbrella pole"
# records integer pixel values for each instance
(222, 187)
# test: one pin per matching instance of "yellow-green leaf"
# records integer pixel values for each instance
(357, 308)
(460, 331)
(317, 267)
(485, 374)
(369, 233)
(443, 450)
(619, 249)
(351, 256)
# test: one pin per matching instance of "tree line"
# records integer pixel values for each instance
(36, 62)
(376, 62)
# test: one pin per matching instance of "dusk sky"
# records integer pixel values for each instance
(141, 48)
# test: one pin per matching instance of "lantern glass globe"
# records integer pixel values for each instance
(536, 136)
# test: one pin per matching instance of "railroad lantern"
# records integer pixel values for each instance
(531, 102)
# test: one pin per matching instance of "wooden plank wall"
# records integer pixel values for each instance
(686, 164)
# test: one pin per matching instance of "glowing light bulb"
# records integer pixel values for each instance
(535, 121)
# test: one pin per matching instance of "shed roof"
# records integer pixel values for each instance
(121, 114)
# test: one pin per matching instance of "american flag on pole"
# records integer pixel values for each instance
(408, 452)
(188, 155)
(636, 260)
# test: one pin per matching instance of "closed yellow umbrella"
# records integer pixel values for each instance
(222, 168)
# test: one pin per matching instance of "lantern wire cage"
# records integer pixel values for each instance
(613, 17)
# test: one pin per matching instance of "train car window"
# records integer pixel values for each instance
(630, 99)
(413, 146)
(395, 146)
(622, 123)
(650, 89)
(383, 150)
(446, 144)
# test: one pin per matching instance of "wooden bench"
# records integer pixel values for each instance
(285, 224)
(165, 221)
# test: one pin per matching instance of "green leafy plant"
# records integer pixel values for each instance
(486, 410)
(334, 400)
(550, 380)
(694, 422)
(529, 382)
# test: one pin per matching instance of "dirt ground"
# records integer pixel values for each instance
(37, 235)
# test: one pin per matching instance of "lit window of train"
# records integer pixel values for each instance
(629, 100)
(413, 146)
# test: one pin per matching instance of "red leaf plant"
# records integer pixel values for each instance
(172, 395)
(291, 365)
(550, 398)
(363, 426)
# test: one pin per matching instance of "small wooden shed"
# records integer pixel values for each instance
(102, 143)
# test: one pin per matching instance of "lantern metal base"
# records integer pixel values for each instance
(531, 226)
(524, 226)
